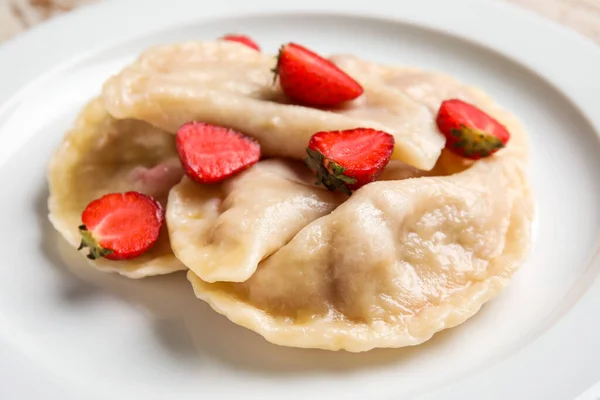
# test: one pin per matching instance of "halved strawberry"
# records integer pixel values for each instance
(211, 153)
(120, 226)
(469, 131)
(243, 39)
(312, 80)
(347, 160)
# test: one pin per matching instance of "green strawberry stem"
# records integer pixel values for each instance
(474, 141)
(329, 173)
(275, 69)
(87, 240)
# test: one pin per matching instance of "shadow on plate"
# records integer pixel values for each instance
(189, 329)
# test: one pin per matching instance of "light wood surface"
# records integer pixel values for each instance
(581, 15)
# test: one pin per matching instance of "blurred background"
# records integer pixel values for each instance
(19, 15)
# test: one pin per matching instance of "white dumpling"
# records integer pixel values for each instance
(100, 155)
(398, 261)
(221, 232)
(229, 84)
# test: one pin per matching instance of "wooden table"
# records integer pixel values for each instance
(581, 15)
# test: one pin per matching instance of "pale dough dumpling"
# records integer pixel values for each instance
(398, 261)
(221, 232)
(100, 155)
(228, 84)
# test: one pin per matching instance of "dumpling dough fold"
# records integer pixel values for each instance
(100, 155)
(221, 232)
(228, 84)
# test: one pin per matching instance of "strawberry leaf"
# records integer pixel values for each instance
(87, 240)
(275, 69)
(329, 173)
(473, 141)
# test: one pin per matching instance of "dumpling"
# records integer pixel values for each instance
(228, 84)
(398, 261)
(100, 155)
(221, 232)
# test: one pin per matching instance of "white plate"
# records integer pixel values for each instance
(69, 332)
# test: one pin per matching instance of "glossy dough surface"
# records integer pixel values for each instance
(100, 155)
(229, 84)
(401, 259)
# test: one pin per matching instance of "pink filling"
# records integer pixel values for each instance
(158, 180)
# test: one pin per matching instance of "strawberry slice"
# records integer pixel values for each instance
(469, 131)
(243, 39)
(347, 160)
(120, 226)
(211, 153)
(311, 80)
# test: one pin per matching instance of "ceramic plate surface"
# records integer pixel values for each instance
(69, 332)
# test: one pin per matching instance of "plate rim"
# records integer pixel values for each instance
(488, 19)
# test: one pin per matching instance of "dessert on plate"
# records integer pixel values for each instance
(329, 203)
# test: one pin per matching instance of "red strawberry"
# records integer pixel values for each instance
(470, 132)
(347, 160)
(211, 153)
(309, 79)
(120, 226)
(243, 39)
